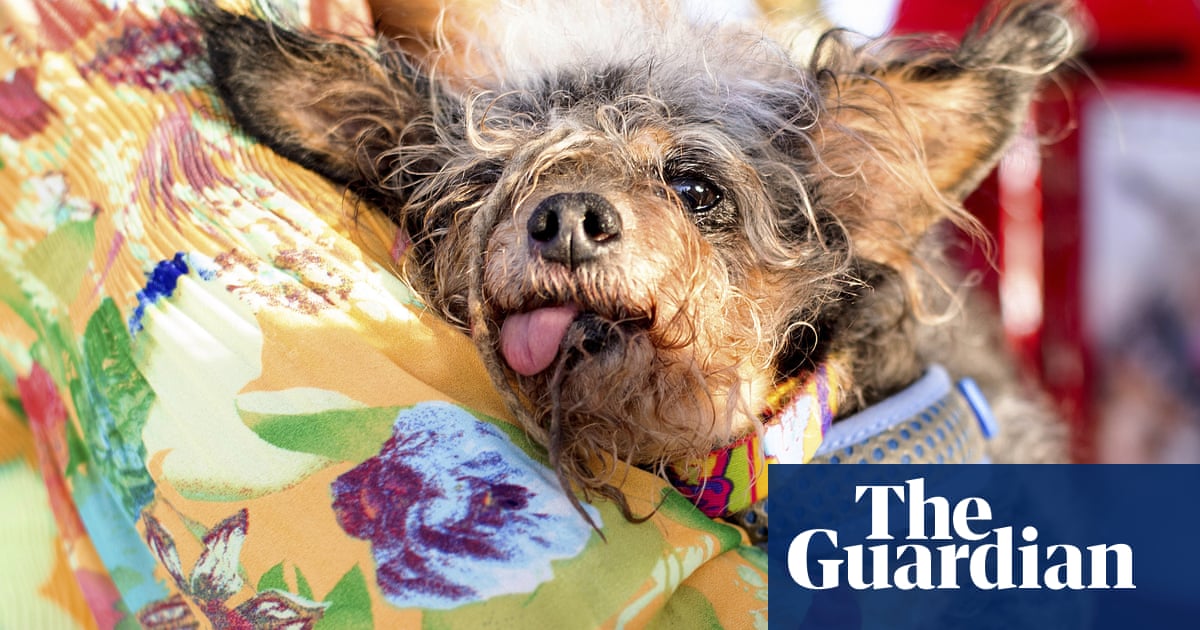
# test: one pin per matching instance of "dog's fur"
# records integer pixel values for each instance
(712, 211)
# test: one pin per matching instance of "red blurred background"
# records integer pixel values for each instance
(1097, 222)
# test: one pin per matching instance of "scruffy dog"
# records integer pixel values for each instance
(646, 224)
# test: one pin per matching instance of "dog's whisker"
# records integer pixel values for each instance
(555, 446)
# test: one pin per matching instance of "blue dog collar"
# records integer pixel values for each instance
(932, 421)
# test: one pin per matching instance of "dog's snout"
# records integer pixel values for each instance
(573, 228)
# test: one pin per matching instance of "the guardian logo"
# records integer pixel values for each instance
(961, 548)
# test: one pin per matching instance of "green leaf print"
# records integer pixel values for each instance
(339, 434)
(349, 604)
(113, 401)
(61, 259)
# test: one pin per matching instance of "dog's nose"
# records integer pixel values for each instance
(573, 228)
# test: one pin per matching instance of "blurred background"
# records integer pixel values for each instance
(1096, 213)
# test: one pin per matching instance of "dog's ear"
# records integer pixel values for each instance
(336, 106)
(910, 132)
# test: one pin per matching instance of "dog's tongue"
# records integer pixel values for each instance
(530, 341)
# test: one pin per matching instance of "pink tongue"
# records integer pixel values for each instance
(529, 341)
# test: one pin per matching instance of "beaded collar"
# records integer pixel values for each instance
(934, 420)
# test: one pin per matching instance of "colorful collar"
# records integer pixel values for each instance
(931, 421)
(733, 477)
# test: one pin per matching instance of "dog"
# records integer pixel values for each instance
(647, 224)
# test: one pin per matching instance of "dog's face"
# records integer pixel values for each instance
(624, 289)
(644, 235)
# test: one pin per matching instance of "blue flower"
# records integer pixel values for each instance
(160, 283)
(457, 513)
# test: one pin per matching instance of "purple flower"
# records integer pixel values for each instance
(455, 512)
(162, 54)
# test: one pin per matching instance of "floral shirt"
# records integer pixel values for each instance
(225, 410)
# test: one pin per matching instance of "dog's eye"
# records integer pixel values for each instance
(697, 194)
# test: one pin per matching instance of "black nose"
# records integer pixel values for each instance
(573, 228)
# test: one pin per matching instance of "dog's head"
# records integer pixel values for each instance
(645, 223)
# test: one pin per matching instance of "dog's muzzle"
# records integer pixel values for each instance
(570, 229)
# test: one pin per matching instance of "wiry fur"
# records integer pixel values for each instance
(833, 165)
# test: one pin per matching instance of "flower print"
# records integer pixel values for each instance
(102, 597)
(169, 614)
(279, 610)
(455, 512)
(47, 415)
(163, 54)
(112, 399)
(22, 112)
(215, 576)
(160, 283)
(177, 163)
(215, 579)
(225, 334)
(61, 25)
(47, 202)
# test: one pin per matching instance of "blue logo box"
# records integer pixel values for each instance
(984, 546)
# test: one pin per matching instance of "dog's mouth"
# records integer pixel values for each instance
(530, 340)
